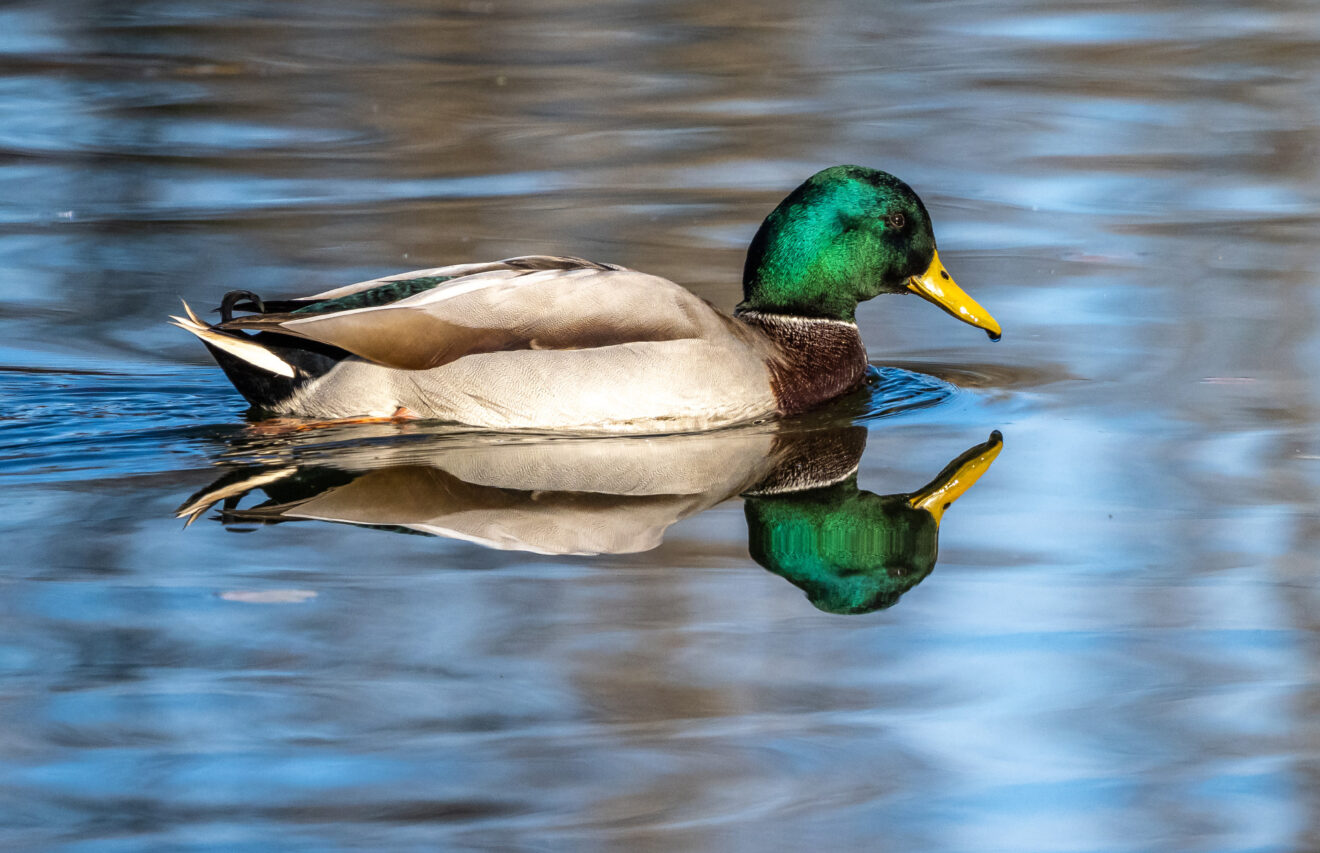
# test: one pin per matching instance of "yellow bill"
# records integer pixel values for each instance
(957, 477)
(935, 285)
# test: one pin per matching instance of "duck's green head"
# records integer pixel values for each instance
(852, 551)
(846, 235)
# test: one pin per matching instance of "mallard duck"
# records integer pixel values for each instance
(561, 343)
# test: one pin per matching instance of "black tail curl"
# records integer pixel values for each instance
(243, 300)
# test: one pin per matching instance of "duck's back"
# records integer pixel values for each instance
(535, 346)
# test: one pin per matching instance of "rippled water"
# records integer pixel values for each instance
(603, 648)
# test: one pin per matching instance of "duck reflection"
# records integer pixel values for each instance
(849, 550)
(853, 551)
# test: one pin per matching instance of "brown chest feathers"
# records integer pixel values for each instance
(811, 360)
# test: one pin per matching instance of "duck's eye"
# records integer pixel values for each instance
(897, 220)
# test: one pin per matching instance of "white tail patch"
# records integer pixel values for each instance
(253, 354)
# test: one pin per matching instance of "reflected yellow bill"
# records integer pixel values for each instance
(957, 478)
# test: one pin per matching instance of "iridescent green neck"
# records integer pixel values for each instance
(844, 236)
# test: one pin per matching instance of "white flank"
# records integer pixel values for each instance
(253, 354)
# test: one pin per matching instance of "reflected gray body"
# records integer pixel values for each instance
(569, 496)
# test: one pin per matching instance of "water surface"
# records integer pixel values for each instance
(1115, 651)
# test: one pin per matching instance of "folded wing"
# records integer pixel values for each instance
(523, 303)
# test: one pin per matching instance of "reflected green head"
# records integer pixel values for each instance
(850, 551)
(846, 235)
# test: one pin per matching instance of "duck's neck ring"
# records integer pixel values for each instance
(764, 318)
(812, 359)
